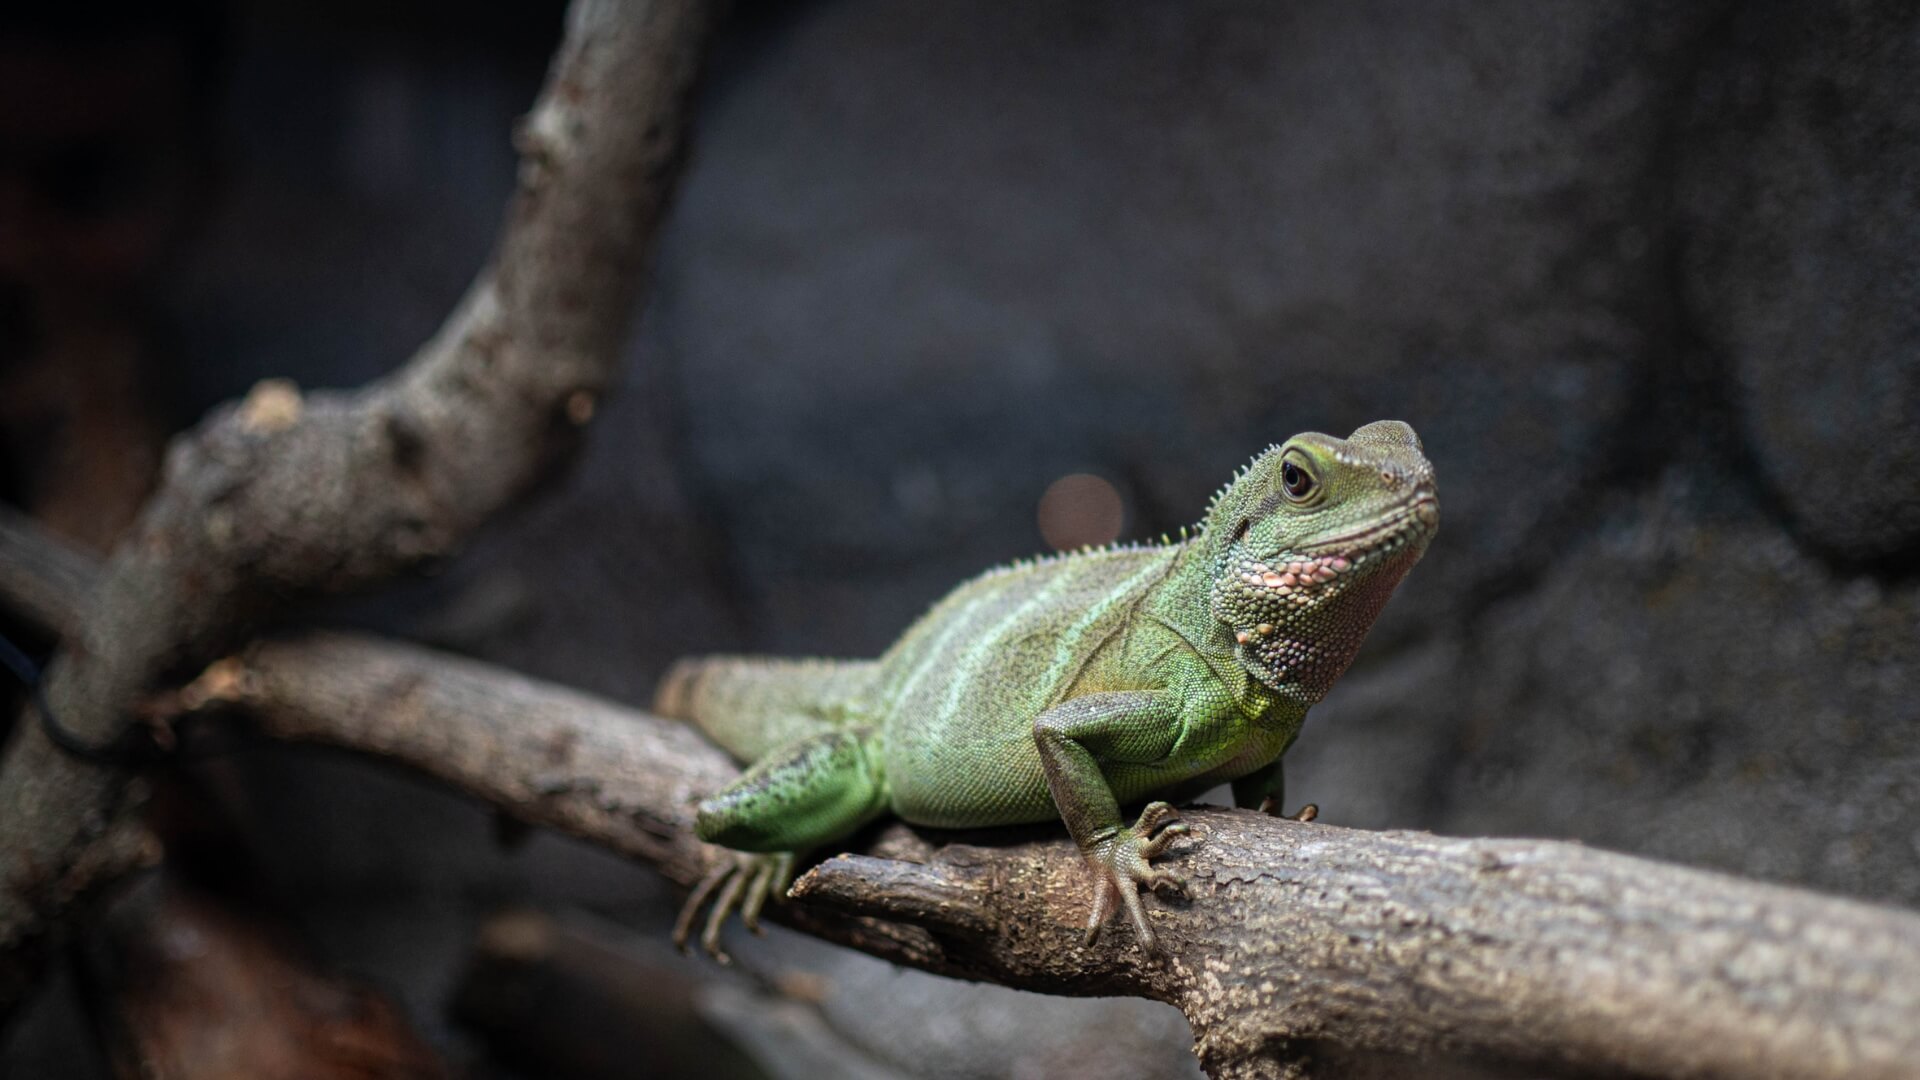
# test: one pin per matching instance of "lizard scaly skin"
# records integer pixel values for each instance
(1073, 685)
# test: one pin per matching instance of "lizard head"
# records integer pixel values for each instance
(1309, 541)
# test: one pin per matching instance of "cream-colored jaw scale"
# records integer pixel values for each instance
(1308, 543)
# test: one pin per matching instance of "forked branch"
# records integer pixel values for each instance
(286, 495)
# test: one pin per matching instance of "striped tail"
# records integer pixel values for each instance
(751, 705)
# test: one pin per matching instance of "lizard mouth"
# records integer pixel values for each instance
(1423, 513)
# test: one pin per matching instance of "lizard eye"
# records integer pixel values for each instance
(1296, 480)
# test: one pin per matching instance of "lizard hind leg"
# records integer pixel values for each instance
(814, 790)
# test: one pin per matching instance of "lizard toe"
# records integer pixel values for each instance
(1137, 913)
(689, 911)
(1105, 895)
(744, 884)
(1154, 817)
(1157, 846)
(759, 888)
(1165, 881)
(1271, 807)
(723, 905)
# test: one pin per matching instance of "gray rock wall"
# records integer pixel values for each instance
(1644, 278)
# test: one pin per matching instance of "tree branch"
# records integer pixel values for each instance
(42, 581)
(284, 496)
(1297, 937)
(1403, 943)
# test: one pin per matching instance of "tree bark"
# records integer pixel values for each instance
(1519, 951)
(1299, 942)
(286, 495)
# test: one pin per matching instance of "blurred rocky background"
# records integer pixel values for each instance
(1645, 277)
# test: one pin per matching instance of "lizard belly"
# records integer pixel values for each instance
(1000, 782)
(961, 691)
(987, 771)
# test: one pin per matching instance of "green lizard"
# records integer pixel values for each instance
(1071, 685)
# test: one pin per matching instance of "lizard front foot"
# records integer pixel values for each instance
(744, 882)
(1121, 861)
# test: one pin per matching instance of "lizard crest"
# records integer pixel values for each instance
(1307, 543)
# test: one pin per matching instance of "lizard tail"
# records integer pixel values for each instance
(751, 705)
(674, 697)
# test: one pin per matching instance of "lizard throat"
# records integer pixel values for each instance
(1298, 619)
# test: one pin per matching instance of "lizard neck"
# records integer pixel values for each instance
(1183, 599)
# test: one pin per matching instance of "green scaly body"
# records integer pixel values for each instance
(1069, 686)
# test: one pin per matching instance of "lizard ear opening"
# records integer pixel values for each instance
(1386, 433)
(1240, 530)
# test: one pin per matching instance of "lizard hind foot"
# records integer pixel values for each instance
(745, 881)
(1121, 863)
(1272, 808)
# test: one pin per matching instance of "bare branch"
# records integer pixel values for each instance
(42, 581)
(283, 495)
(1296, 936)
(551, 756)
(1401, 943)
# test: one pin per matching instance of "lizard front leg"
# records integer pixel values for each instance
(1077, 737)
(815, 789)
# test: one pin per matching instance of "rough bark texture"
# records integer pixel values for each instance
(1300, 942)
(1296, 935)
(284, 495)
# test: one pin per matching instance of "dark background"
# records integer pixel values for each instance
(1645, 277)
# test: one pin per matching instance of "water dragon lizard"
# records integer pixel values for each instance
(1072, 685)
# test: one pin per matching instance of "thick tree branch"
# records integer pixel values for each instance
(1403, 943)
(284, 495)
(544, 753)
(1297, 936)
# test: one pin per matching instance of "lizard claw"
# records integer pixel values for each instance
(1305, 813)
(1154, 817)
(746, 882)
(1157, 846)
(1121, 863)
